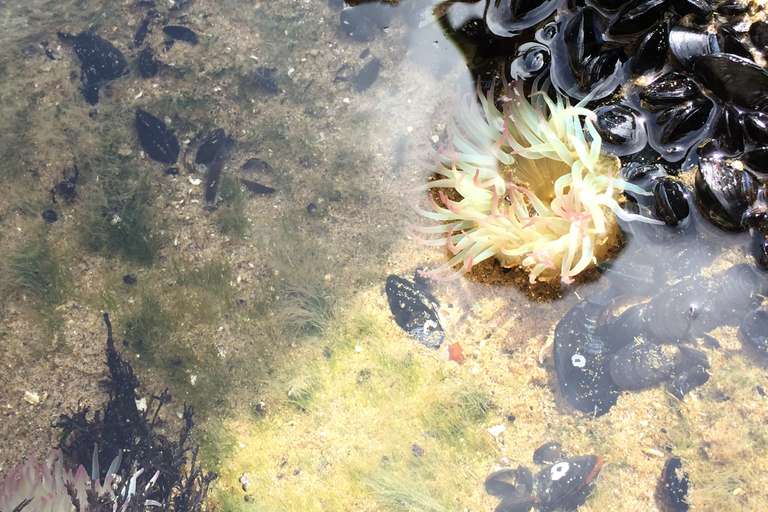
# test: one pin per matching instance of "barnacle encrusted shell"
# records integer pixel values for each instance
(525, 185)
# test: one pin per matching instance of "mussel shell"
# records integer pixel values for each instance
(622, 129)
(723, 193)
(732, 7)
(672, 88)
(156, 139)
(547, 453)
(754, 330)
(670, 199)
(415, 311)
(756, 216)
(670, 314)
(730, 42)
(581, 359)
(756, 127)
(642, 365)
(210, 146)
(734, 79)
(674, 484)
(728, 130)
(637, 16)
(685, 120)
(689, 44)
(700, 9)
(691, 372)
(566, 484)
(757, 161)
(758, 34)
(652, 51)
(506, 482)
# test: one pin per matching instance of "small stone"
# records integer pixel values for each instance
(176, 361)
(417, 450)
(311, 208)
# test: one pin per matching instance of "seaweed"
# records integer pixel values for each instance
(124, 428)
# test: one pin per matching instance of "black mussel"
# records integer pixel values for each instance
(756, 216)
(210, 146)
(728, 130)
(264, 79)
(652, 51)
(756, 127)
(598, 69)
(180, 33)
(517, 503)
(700, 9)
(100, 60)
(622, 129)
(688, 378)
(637, 16)
(670, 89)
(623, 329)
(636, 171)
(509, 17)
(730, 42)
(581, 359)
(130, 279)
(583, 36)
(670, 314)
(148, 65)
(674, 485)
(723, 192)
(157, 140)
(610, 5)
(685, 120)
(732, 7)
(509, 482)
(257, 165)
(754, 330)
(758, 34)
(415, 311)
(66, 188)
(642, 365)
(367, 75)
(689, 44)
(257, 188)
(50, 216)
(670, 199)
(141, 32)
(734, 79)
(742, 289)
(567, 484)
(757, 161)
(547, 453)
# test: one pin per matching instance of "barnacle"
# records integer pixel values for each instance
(525, 185)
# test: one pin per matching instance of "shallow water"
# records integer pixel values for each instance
(268, 311)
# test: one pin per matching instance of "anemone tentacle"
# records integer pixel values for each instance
(528, 186)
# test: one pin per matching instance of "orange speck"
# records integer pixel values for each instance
(455, 353)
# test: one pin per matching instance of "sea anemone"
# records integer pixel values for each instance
(527, 185)
(54, 488)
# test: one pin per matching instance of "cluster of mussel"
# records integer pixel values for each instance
(563, 484)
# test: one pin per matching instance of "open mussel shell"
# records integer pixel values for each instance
(509, 482)
(724, 192)
(621, 128)
(566, 484)
(674, 485)
(734, 79)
